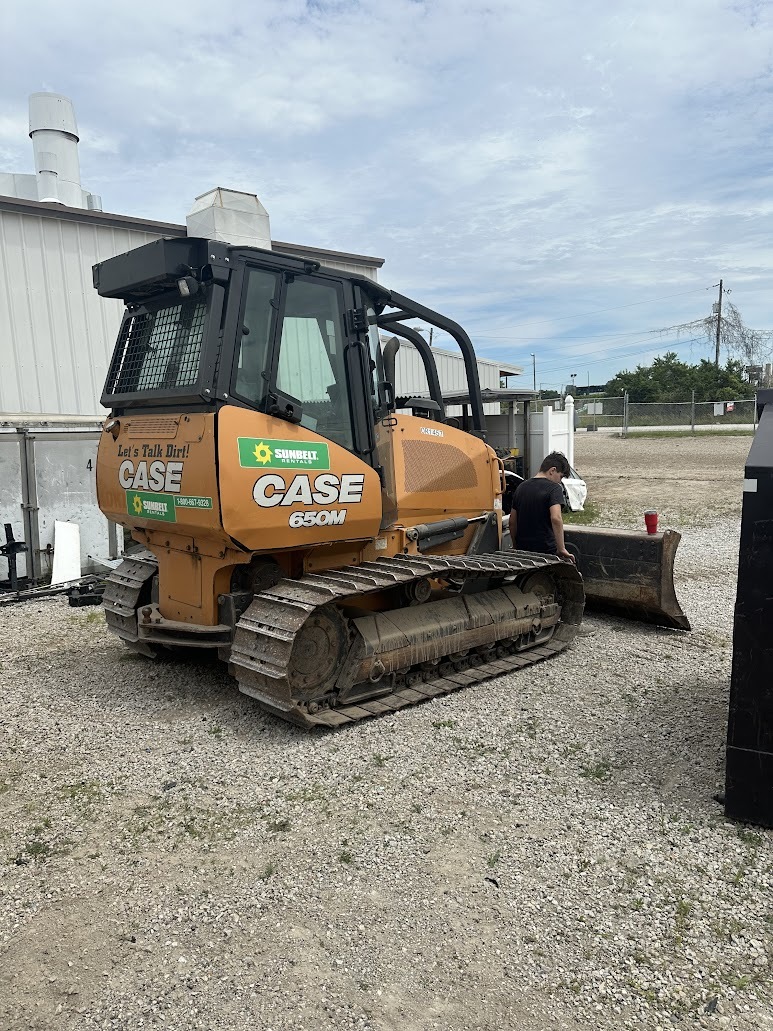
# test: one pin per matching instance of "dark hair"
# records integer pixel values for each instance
(555, 460)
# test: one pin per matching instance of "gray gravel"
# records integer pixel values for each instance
(538, 852)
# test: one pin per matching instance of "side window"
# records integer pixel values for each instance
(311, 358)
(255, 334)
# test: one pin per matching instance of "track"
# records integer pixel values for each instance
(262, 656)
(302, 660)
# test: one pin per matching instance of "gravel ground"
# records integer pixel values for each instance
(542, 851)
(691, 481)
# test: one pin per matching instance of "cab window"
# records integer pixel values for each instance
(311, 365)
(255, 334)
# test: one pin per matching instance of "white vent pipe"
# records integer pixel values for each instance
(54, 134)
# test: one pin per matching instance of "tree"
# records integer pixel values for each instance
(750, 346)
(661, 381)
(668, 379)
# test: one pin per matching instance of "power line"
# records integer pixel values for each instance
(580, 361)
(604, 352)
(616, 307)
(581, 336)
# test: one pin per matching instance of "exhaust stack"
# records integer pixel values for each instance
(54, 135)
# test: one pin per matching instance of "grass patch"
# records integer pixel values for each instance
(279, 826)
(91, 616)
(38, 849)
(591, 513)
(85, 791)
(633, 432)
(748, 837)
(600, 770)
(173, 821)
(530, 728)
(268, 871)
(571, 750)
(682, 916)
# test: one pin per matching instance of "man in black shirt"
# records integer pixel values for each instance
(535, 518)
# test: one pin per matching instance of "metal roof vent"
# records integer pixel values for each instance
(54, 134)
(231, 217)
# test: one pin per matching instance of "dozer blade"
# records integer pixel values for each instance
(628, 573)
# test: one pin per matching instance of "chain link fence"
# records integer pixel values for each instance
(600, 413)
(619, 415)
(690, 415)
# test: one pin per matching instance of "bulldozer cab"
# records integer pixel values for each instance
(208, 325)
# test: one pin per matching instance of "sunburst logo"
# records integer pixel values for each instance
(137, 503)
(263, 453)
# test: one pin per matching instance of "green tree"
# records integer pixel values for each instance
(723, 384)
(668, 379)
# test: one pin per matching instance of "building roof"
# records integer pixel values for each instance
(147, 225)
(489, 396)
(503, 368)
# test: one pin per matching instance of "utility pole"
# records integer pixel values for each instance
(534, 371)
(719, 324)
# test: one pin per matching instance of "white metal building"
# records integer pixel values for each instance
(412, 381)
(56, 332)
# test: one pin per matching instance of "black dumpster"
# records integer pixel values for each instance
(749, 775)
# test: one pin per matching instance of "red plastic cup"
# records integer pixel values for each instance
(651, 521)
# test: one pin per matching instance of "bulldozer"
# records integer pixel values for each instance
(339, 547)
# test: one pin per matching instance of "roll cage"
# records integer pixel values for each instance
(161, 363)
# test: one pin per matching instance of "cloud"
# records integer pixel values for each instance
(514, 163)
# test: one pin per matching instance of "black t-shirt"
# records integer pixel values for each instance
(532, 502)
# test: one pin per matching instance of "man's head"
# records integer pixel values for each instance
(555, 466)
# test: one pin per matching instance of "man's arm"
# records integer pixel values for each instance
(513, 526)
(557, 523)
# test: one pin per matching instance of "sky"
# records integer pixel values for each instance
(563, 179)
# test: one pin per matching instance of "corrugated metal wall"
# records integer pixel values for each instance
(56, 332)
(411, 379)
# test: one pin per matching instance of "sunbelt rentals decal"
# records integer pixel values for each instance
(263, 453)
(145, 505)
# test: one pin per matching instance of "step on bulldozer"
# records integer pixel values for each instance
(337, 546)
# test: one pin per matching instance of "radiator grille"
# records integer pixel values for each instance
(431, 467)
